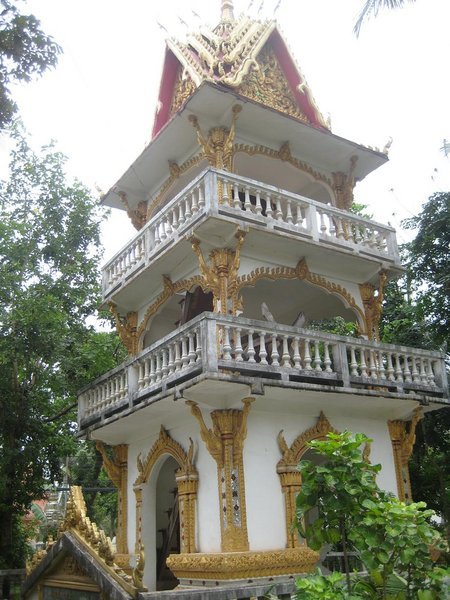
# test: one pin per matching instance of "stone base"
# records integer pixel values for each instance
(229, 567)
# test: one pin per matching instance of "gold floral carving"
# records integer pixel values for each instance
(343, 186)
(187, 483)
(138, 215)
(184, 88)
(268, 85)
(126, 328)
(302, 272)
(243, 565)
(175, 171)
(138, 571)
(403, 439)
(225, 443)
(218, 145)
(220, 276)
(285, 155)
(117, 470)
(290, 478)
(373, 306)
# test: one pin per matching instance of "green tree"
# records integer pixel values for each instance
(391, 538)
(49, 240)
(372, 7)
(25, 51)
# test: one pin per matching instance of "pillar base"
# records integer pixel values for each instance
(223, 567)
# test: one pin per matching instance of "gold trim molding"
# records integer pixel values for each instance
(117, 470)
(290, 477)
(403, 440)
(225, 443)
(243, 565)
(187, 483)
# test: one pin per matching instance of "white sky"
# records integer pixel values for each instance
(393, 81)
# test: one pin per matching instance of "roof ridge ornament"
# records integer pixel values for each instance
(226, 11)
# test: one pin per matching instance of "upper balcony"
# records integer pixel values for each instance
(215, 202)
(215, 357)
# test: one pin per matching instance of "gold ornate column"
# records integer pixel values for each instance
(225, 444)
(291, 481)
(117, 469)
(402, 446)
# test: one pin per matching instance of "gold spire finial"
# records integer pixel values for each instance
(227, 11)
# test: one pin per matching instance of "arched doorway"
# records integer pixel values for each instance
(167, 523)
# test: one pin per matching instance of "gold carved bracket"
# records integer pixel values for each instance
(373, 305)
(126, 328)
(344, 184)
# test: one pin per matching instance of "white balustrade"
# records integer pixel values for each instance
(223, 193)
(105, 394)
(261, 349)
(172, 357)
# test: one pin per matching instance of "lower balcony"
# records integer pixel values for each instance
(222, 349)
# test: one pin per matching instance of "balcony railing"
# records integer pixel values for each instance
(218, 346)
(224, 195)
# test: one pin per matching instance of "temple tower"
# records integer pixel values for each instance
(245, 248)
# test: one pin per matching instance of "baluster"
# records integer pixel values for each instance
(289, 218)
(362, 363)
(164, 366)
(251, 348)
(238, 345)
(327, 359)
(372, 365)
(141, 376)
(174, 218)
(317, 360)
(398, 368)
(274, 355)
(226, 343)
(247, 203)
(171, 364)
(373, 239)
(225, 195)
(381, 370)
(194, 203)
(187, 208)
(415, 373)
(406, 369)
(146, 373)
(258, 207)
(156, 234)
(340, 233)
(331, 221)
(430, 373)
(201, 195)
(181, 219)
(279, 212)
(262, 348)
(323, 227)
(158, 371)
(353, 363)
(152, 361)
(298, 215)
(236, 200)
(191, 354)
(184, 352)
(198, 349)
(390, 367)
(269, 212)
(296, 353)
(307, 361)
(423, 370)
(177, 355)
(162, 230)
(286, 357)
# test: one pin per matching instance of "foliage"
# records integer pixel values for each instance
(429, 260)
(392, 539)
(25, 51)
(331, 587)
(372, 7)
(49, 240)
